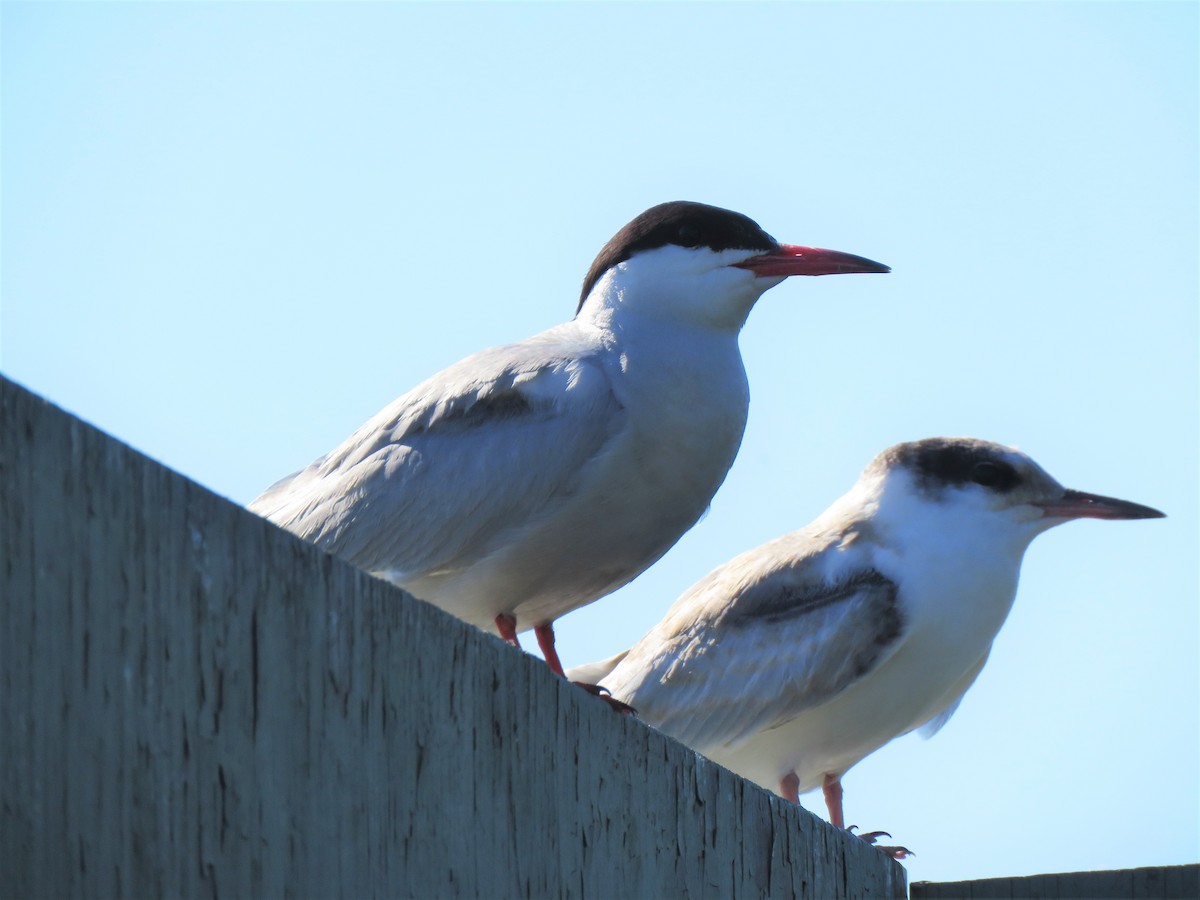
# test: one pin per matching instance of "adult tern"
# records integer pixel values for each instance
(533, 478)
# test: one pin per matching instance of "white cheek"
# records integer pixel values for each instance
(1027, 513)
(765, 283)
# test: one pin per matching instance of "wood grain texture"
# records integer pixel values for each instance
(196, 704)
(1153, 883)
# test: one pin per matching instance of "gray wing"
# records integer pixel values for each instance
(443, 474)
(757, 643)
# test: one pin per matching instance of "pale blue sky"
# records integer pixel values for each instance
(232, 232)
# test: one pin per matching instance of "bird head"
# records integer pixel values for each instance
(947, 488)
(696, 264)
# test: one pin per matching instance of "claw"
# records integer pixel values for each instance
(871, 837)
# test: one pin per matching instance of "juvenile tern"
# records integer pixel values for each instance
(533, 478)
(794, 661)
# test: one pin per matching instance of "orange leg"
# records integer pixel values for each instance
(790, 788)
(545, 639)
(507, 626)
(832, 789)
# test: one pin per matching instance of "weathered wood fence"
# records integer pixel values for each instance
(194, 703)
(1152, 883)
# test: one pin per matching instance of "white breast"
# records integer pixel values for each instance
(954, 595)
(685, 396)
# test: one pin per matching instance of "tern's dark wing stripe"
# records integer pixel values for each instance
(783, 646)
(775, 601)
(846, 626)
(489, 409)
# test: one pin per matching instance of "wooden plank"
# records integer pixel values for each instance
(195, 703)
(1152, 883)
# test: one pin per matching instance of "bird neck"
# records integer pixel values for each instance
(957, 570)
(720, 301)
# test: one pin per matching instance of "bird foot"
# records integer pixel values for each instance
(871, 837)
(599, 690)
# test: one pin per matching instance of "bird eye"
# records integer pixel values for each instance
(687, 235)
(993, 474)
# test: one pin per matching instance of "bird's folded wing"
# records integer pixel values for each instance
(753, 660)
(457, 464)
